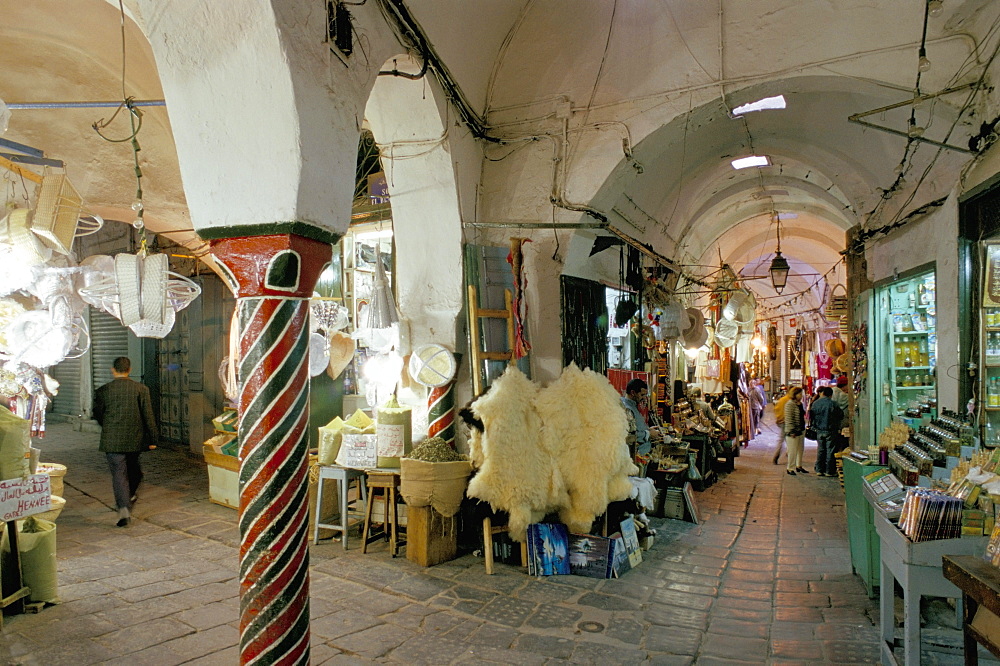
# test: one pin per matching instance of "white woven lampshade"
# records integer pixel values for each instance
(57, 212)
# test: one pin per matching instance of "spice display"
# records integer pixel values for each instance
(435, 449)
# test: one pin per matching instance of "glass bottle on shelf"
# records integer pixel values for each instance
(924, 356)
(899, 352)
(907, 353)
(907, 380)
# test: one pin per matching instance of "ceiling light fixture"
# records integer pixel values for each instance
(935, 7)
(752, 161)
(779, 265)
(923, 63)
(777, 102)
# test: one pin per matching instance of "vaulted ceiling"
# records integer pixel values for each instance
(644, 92)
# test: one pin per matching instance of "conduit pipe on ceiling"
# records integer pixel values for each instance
(18, 106)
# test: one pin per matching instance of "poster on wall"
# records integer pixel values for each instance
(991, 276)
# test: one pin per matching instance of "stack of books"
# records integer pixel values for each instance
(930, 514)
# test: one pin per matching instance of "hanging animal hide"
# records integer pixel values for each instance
(585, 425)
(516, 473)
(556, 449)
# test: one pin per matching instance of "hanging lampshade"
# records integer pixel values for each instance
(779, 272)
(382, 312)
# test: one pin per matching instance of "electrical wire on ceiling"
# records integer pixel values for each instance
(793, 298)
(902, 217)
(135, 122)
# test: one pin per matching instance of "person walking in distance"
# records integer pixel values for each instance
(779, 419)
(795, 428)
(825, 416)
(125, 412)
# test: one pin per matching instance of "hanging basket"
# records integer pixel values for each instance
(836, 304)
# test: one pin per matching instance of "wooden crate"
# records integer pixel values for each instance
(430, 537)
(223, 478)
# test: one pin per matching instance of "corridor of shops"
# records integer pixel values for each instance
(764, 578)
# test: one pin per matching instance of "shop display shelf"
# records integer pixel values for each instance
(899, 333)
(992, 409)
(918, 367)
(917, 388)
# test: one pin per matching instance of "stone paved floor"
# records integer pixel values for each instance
(766, 578)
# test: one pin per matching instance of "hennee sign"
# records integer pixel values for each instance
(20, 498)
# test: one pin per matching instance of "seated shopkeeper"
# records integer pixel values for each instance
(636, 391)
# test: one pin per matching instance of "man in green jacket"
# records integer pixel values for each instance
(128, 427)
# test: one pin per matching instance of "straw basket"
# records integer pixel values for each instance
(55, 508)
(56, 473)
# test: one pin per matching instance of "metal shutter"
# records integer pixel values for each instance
(67, 373)
(109, 340)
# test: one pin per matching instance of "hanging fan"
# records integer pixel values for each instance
(319, 354)
(726, 333)
(736, 300)
(432, 365)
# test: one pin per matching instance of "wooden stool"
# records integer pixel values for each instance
(343, 477)
(388, 482)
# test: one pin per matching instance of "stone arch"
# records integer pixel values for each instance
(423, 156)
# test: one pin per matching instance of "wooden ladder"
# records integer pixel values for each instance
(478, 354)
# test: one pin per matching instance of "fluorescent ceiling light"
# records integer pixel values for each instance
(752, 161)
(761, 104)
(787, 216)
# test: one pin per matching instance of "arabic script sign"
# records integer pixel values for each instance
(20, 498)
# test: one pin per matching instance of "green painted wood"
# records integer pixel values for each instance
(861, 534)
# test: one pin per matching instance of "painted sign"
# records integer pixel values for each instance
(20, 498)
(358, 451)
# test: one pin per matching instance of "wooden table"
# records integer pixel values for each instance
(917, 569)
(979, 582)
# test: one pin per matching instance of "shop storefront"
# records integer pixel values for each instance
(904, 358)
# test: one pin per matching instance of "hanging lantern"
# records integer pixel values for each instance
(779, 272)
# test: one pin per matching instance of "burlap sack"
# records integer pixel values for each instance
(440, 485)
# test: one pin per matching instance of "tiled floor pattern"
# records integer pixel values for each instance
(765, 578)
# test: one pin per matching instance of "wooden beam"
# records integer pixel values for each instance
(20, 170)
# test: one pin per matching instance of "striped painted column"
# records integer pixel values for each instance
(273, 277)
(441, 412)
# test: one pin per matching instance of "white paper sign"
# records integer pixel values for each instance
(359, 451)
(20, 498)
(390, 440)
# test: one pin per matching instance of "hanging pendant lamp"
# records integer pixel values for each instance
(779, 265)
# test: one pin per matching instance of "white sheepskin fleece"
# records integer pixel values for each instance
(516, 474)
(583, 418)
(558, 449)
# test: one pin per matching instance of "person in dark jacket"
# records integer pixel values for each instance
(795, 427)
(128, 427)
(825, 417)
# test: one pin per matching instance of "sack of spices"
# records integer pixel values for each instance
(438, 480)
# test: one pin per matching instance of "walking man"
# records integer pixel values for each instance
(128, 427)
(825, 417)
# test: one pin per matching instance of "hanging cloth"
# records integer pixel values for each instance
(520, 310)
